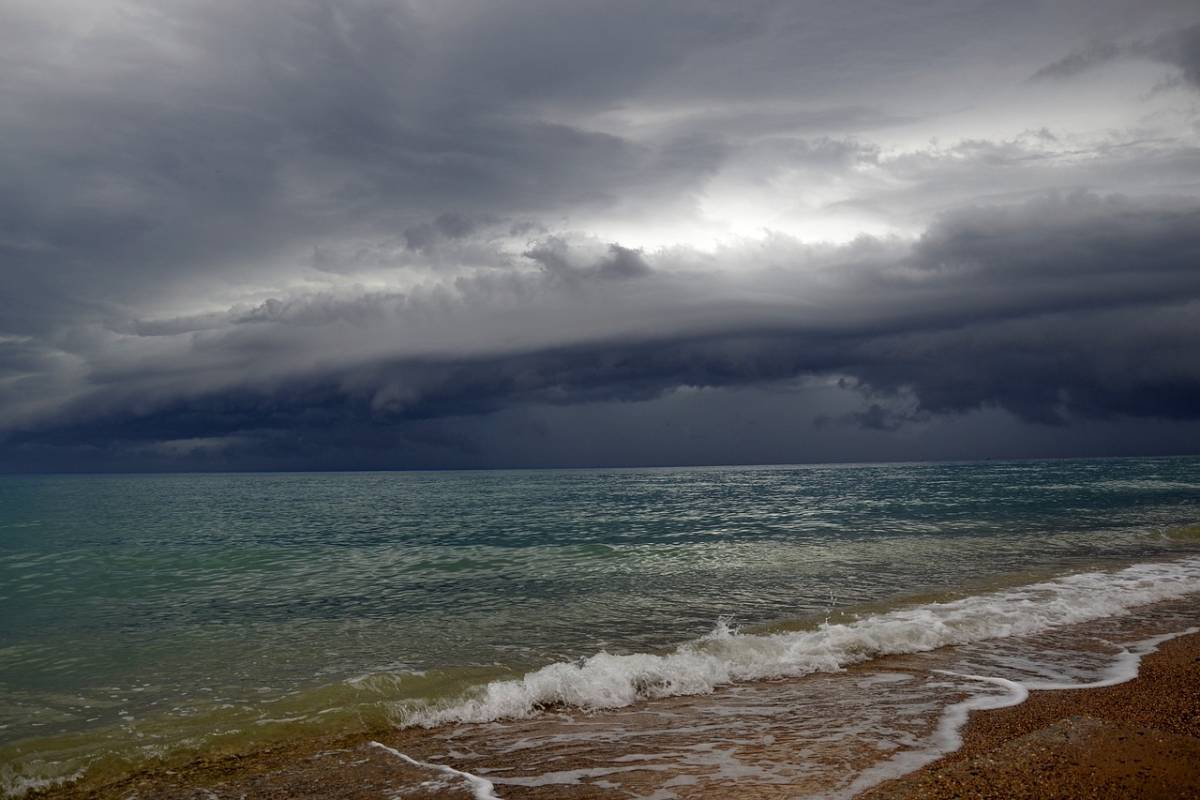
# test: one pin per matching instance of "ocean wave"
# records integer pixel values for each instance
(14, 784)
(1147, 485)
(725, 656)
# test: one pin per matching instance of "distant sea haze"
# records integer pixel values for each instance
(362, 600)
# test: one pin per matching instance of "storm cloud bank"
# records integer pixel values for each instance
(383, 234)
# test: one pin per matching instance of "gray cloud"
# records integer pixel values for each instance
(1070, 306)
(232, 232)
(1179, 48)
(214, 137)
(1079, 61)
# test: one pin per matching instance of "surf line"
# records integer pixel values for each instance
(948, 736)
(1125, 669)
(482, 788)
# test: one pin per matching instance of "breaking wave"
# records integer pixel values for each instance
(726, 656)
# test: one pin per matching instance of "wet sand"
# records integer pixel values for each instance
(1136, 739)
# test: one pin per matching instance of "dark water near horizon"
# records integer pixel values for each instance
(148, 614)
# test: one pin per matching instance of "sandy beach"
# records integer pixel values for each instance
(1136, 739)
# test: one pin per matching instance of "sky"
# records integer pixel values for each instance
(360, 234)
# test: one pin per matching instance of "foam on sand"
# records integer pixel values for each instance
(482, 788)
(948, 737)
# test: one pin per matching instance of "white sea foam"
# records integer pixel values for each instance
(13, 784)
(948, 736)
(482, 788)
(725, 656)
(1123, 668)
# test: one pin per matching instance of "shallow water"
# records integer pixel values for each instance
(145, 616)
(827, 735)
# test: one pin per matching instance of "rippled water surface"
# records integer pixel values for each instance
(139, 609)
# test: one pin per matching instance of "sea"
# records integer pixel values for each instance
(655, 633)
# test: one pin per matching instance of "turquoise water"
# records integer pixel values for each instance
(145, 607)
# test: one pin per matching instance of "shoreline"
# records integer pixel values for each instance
(1139, 738)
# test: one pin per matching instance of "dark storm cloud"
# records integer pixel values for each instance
(1178, 48)
(186, 137)
(555, 256)
(1067, 306)
(234, 233)
(1093, 55)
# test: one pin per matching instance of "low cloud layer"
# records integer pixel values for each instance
(378, 234)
